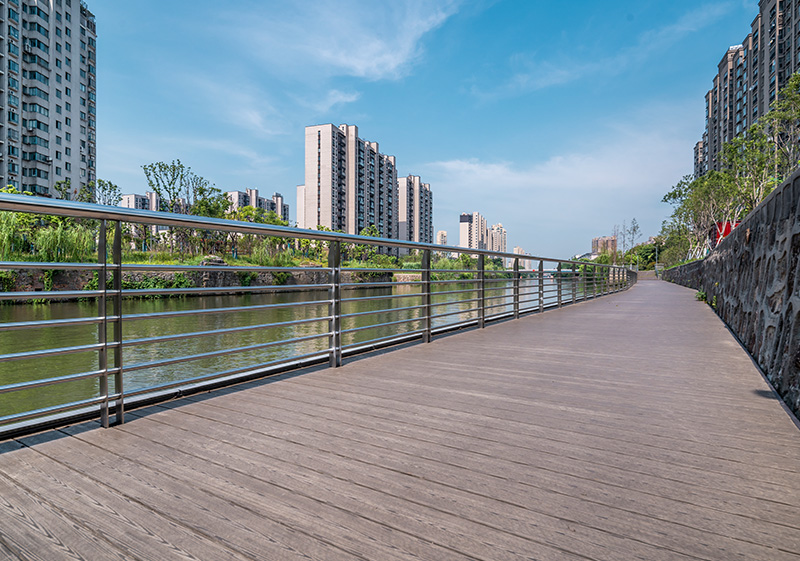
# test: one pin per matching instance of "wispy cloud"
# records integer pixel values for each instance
(532, 72)
(313, 40)
(624, 173)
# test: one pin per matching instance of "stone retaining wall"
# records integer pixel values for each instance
(753, 281)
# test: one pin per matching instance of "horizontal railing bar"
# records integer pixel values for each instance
(467, 301)
(371, 270)
(226, 373)
(195, 334)
(55, 352)
(219, 268)
(48, 410)
(213, 354)
(375, 326)
(60, 207)
(225, 289)
(379, 284)
(383, 311)
(382, 339)
(58, 380)
(467, 311)
(455, 281)
(50, 294)
(52, 323)
(460, 291)
(52, 266)
(223, 310)
(385, 297)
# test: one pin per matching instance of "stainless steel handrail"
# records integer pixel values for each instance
(435, 306)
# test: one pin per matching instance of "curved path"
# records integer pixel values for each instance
(630, 427)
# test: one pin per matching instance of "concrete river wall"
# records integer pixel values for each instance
(752, 280)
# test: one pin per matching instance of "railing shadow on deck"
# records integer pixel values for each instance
(93, 353)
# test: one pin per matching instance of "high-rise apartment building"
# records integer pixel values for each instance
(605, 244)
(749, 77)
(472, 231)
(250, 197)
(349, 184)
(441, 237)
(498, 238)
(415, 210)
(49, 89)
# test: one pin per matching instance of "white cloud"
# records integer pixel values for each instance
(313, 40)
(554, 206)
(532, 73)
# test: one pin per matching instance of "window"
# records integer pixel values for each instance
(83, 45)
(58, 32)
(13, 32)
(13, 150)
(68, 92)
(13, 15)
(68, 151)
(13, 66)
(58, 171)
(68, 166)
(58, 109)
(13, 83)
(67, 76)
(13, 168)
(68, 16)
(68, 46)
(58, 140)
(13, 49)
(83, 115)
(67, 32)
(58, 155)
(58, 94)
(68, 106)
(83, 87)
(58, 125)
(58, 63)
(68, 137)
(58, 47)
(58, 78)
(58, 16)
(83, 101)
(68, 121)
(13, 100)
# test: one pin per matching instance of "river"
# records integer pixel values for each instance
(16, 341)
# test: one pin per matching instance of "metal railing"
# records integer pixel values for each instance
(131, 353)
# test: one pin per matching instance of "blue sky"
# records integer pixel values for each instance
(558, 120)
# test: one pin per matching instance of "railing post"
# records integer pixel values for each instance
(426, 293)
(541, 285)
(558, 283)
(335, 264)
(574, 284)
(102, 328)
(481, 292)
(119, 388)
(582, 281)
(516, 287)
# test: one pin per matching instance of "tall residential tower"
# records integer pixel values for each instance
(48, 127)
(349, 184)
(415, 206)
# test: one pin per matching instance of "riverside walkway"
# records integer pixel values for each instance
(629, 427)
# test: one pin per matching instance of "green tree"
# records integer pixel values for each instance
(750, 163)
(106, 192)
(168, 181)
(63, 188)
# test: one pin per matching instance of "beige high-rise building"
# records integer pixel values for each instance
(498, 238)
(48, 122)
(441, 237)
(349, 184)
(250, 197)
(604, 244)
(415, 210)
(472, 231)
(749, 77)
(523, 263)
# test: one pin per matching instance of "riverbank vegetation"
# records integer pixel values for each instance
(752, 165)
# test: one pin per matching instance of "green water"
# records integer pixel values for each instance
(54, 337)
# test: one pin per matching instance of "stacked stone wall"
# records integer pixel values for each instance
(753, 281)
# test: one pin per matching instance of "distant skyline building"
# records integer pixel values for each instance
(498, 238)
(148, 201)
(250, 197)
(472, 231)
(441, 237)
(523, 263)
(48, 123)
(749, 77)
(604, 244)
(415, 210)
(349, 184)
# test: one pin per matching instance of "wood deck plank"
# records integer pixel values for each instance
(630, 427)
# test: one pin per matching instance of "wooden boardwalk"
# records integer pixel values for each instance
(631, 427)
